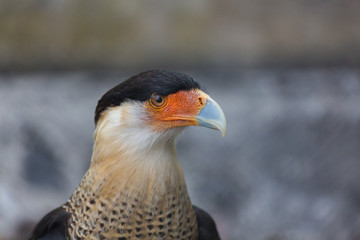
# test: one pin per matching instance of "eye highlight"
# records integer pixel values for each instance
(157, 101)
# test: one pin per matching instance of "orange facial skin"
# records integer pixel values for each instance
(179, 110)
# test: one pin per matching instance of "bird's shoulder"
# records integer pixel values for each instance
(206, 225)
(53, 226)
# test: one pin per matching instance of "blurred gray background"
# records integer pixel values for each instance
(286, 74)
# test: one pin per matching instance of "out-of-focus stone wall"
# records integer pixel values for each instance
(95, 34)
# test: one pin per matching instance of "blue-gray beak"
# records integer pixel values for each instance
(212, 116)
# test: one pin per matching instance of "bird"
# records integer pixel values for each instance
(135, 186)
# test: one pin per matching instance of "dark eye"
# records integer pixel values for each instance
(157, 101)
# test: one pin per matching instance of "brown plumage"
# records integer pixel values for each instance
(135, 187)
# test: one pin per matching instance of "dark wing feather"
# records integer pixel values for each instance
(206, 225)
(53, 226)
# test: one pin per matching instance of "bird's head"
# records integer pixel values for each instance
(153, 107)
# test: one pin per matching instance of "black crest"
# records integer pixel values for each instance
(141, 86)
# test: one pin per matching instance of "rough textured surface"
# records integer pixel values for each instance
(287, 169)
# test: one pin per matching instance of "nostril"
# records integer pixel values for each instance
(201, 101)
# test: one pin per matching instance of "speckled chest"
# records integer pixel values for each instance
(170, 216)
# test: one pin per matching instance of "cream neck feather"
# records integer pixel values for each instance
(128, 154)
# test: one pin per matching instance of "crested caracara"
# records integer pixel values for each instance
(135, 187)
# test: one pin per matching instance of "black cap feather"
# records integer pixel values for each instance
(141, 86)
